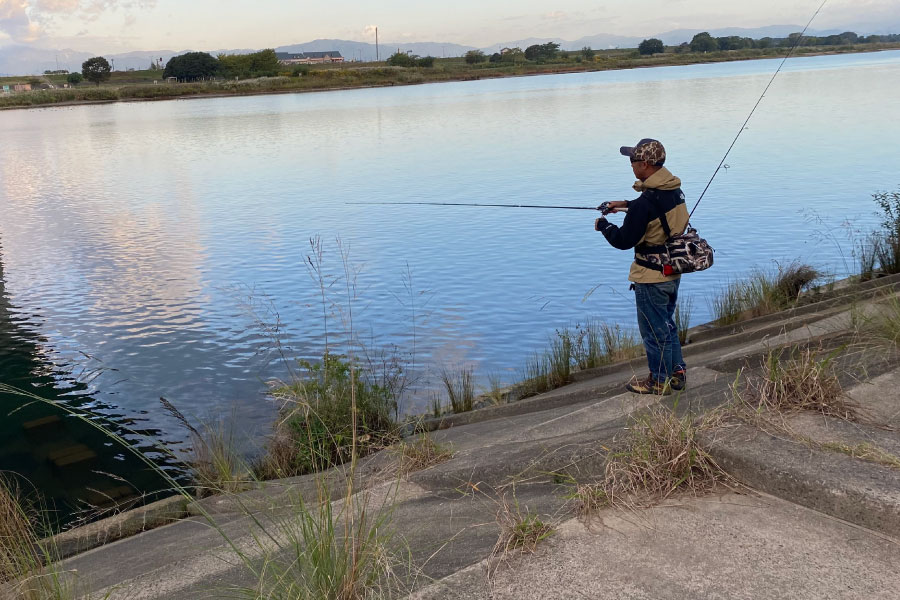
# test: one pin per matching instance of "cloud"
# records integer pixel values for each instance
(29, 20)
(15, 22)
(555, 15)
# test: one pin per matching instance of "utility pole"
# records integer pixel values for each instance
(377, 55)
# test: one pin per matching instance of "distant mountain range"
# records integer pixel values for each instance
(23, 60)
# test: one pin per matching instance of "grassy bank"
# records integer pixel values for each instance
(147, 85)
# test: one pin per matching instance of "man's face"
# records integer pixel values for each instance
(642, 170)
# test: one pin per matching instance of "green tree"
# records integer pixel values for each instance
(192, 66)
(549, 50)
(496, 57)
(587, 53)
(474, 57)
(244, 66)
(533, 52)
(542, 52)
(401, 59)
(96, 70)
(703, 42)
(426, 62)
(651, 46)
(513, 55)
(74, 78)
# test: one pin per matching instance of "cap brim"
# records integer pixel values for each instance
(627, 151)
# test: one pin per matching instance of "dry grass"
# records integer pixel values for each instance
(420, 454)
(520, 529)
(801, 381)
(662, 455)
(762, 293)
(27, 571)
(884, 324)
(865, 451)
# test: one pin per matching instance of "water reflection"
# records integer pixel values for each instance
(80, 472)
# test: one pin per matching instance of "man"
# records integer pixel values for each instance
(660, 207)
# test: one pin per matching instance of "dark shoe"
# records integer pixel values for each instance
(648, 386)
(678, 380)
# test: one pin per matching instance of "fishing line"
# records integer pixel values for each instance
(775, 74)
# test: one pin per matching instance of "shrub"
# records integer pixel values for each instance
(315, 430)
(763, 292)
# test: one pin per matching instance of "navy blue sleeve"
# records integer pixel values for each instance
(633, 228)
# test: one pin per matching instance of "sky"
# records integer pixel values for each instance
(122, 25)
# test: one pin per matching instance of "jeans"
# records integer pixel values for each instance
(656, 321)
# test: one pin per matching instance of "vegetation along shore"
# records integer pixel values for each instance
(202, 75)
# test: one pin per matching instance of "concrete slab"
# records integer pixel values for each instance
(859, 492)
(879, 398)
(722, 547)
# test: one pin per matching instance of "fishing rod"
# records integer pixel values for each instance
(603, 208)
(761, 96)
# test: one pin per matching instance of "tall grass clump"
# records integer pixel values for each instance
(315, 428)
(800, 380)
(327, 551)
(887, 240)
(460, 387)
(216, 463)
(598, 343)
(661, 455)
(683, 311)
(520, 530)
(762, 293)
(27, 571)
(883, 325)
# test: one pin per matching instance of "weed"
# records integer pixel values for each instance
(683, 311)
(216, 463)
(519, 530)
(460, 386)
(661, 455)
(619, 344)
(315, 430)
(801, 381)
(884, 324)
(762, 293)
(497, 393)
(328, 551)
(536, 376)
(27, 571)
(437, 406)
(865, 451)
(560, 359)
(420, 454)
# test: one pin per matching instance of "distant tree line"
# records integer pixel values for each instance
(704, 42)
(195, 66)
(405, 59)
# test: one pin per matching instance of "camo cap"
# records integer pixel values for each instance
(647, 150)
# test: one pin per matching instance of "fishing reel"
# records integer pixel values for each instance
(605, 209)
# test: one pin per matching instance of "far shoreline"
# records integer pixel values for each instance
(473, 75)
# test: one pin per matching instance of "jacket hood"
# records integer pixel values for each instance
(661, 180)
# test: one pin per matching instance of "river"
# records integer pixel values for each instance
(163, 248)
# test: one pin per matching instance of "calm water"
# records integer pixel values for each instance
(161, 249)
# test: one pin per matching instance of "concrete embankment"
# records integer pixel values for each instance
(811, 510)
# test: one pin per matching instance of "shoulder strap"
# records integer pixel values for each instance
(662, 215)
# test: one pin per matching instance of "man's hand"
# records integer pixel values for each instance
(617, 205)
(599, 223)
